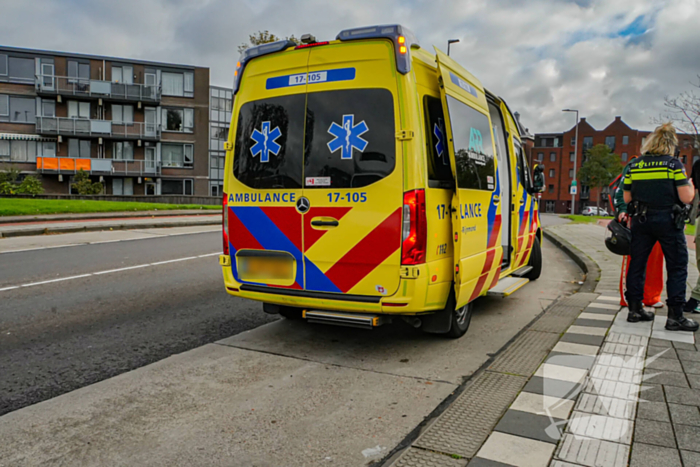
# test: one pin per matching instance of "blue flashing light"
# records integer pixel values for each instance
(403, 39)
(254, 52)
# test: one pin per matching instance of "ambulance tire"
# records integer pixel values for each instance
(290, 313)
(535, 262)
(461, 318)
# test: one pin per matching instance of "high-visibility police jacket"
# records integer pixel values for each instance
(653, 181)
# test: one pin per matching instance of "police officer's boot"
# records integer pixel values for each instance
(676, 321)
(638, 313)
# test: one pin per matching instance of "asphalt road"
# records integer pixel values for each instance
(59, 336)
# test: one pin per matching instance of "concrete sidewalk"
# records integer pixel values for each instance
(103, 215)
(40, 225)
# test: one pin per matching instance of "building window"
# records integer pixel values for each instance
(625, 140)
(624, 157)
(540, 156)
(78, 109)
(123, 74)
(79, 148)
(551, 188)
(123, 151)
(21, 110)
(684, 159)
(573, 141)
(181, 120)
(610, 142)
(571, 173)
(78, 70)
(48, 108)
(3, 65)
(572, 156)
(556, 143)
(549, 206)
(47, 149)
(21, 69)
(551, 173)
(552, 157)
(177, 155)
(178, 84)
(18, 151)
(122, 113)
(176, 187)
(587, 142)
(4, 107)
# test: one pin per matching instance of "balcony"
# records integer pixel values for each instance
(50, 85)
(71, 165)
(97, 128)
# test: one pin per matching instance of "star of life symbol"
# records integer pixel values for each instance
(347, 136)
(610, 391)
(265, 142)
(439, 132)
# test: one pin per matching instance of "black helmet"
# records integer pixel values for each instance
(618, 238)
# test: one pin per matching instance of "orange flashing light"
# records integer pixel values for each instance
(238, 64)
(402, 49)
(402, 40)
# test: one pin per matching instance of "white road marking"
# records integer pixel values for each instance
(147, 235)
(109, 271)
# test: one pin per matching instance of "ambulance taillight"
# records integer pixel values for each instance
(224, 220)
(414, 228)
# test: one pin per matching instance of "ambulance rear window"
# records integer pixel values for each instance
(269, 143)
(350, 138)
(472, 146)
(439, 172)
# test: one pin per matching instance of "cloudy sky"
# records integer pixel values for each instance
(604, 57)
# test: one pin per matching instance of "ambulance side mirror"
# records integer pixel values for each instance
(537, 179)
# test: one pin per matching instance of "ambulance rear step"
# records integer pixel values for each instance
(355, 320)
(522, 271)
(507, 286)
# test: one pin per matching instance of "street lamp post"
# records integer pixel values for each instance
(573, 196)
(450, 41)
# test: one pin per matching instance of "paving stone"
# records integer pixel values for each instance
(667, 353)
(644, 455)
(653, 411)
(665, 364)
(616, 389)
(515, 450)
(685, 346)
(614, 348)
(576, 349)
(682, 396)
(575, 361)
(630, 339)
(601, 427)
(464, 426)
(560, 372)
(602, 405)
(480, 462)
(691, 367)
(543, 405)
(688, 437)
(694, 381)
(667, 378)
(616, 373)
(587, 330)
(529, 425)
(652, 393)
(421, 458)
(688, 355)
(552, 323)
(690, 458)
(592, 452)
(592, 323)
(675, 336)
(583, 339)
(553, 387)
(635, 362)
(651, 432)
(660, 343)
(684, 414)
(578, 299)
(524, 355)
(605, 306)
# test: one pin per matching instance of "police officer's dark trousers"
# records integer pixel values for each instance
(646, 231)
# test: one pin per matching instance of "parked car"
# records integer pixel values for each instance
(594, 211)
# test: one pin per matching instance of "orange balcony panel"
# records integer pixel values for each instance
(82, 164)
(66, 164)
(49, 163)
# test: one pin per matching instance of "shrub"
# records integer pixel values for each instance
(7, 188)
(30, 186)
(84, 186)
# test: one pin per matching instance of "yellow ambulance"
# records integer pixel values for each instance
(369, 179)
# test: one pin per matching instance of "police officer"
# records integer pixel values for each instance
(655, 184)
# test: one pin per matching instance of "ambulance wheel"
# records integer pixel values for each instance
(289, 312)
(461, 318)
(535, 262)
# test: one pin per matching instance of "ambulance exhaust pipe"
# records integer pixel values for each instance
(413, 321)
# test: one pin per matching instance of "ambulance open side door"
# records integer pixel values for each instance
(476, 203)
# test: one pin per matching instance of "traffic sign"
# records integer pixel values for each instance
(573, 183)
(573, 189)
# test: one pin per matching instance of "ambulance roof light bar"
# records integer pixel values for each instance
(401, 36)
(257, 51)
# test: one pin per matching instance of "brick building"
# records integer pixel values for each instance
(556, 152)
(140, 127)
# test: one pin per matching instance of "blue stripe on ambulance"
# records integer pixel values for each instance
(316, 280)
(312, 77)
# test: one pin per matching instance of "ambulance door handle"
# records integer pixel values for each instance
(324, 223)
(496, 199)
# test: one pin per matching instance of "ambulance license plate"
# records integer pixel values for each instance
(263, 268)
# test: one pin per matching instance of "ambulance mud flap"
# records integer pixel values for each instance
(355, 320)
(441, 321)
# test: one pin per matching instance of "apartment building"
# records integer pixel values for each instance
(140, 127)
(220, 104)
(555, 151)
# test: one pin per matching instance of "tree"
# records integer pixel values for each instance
(684, 112)
(84, 186)
(263, 37)
(600, 168)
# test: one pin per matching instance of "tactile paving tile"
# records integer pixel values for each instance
(525, 353)
(563, 310)
(592, 452)
(466, 424)
(579, 299)
(552, 323)
(421, 458)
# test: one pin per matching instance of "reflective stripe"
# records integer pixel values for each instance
(651, 176)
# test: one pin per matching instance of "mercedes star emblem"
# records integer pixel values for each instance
(303, 205)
